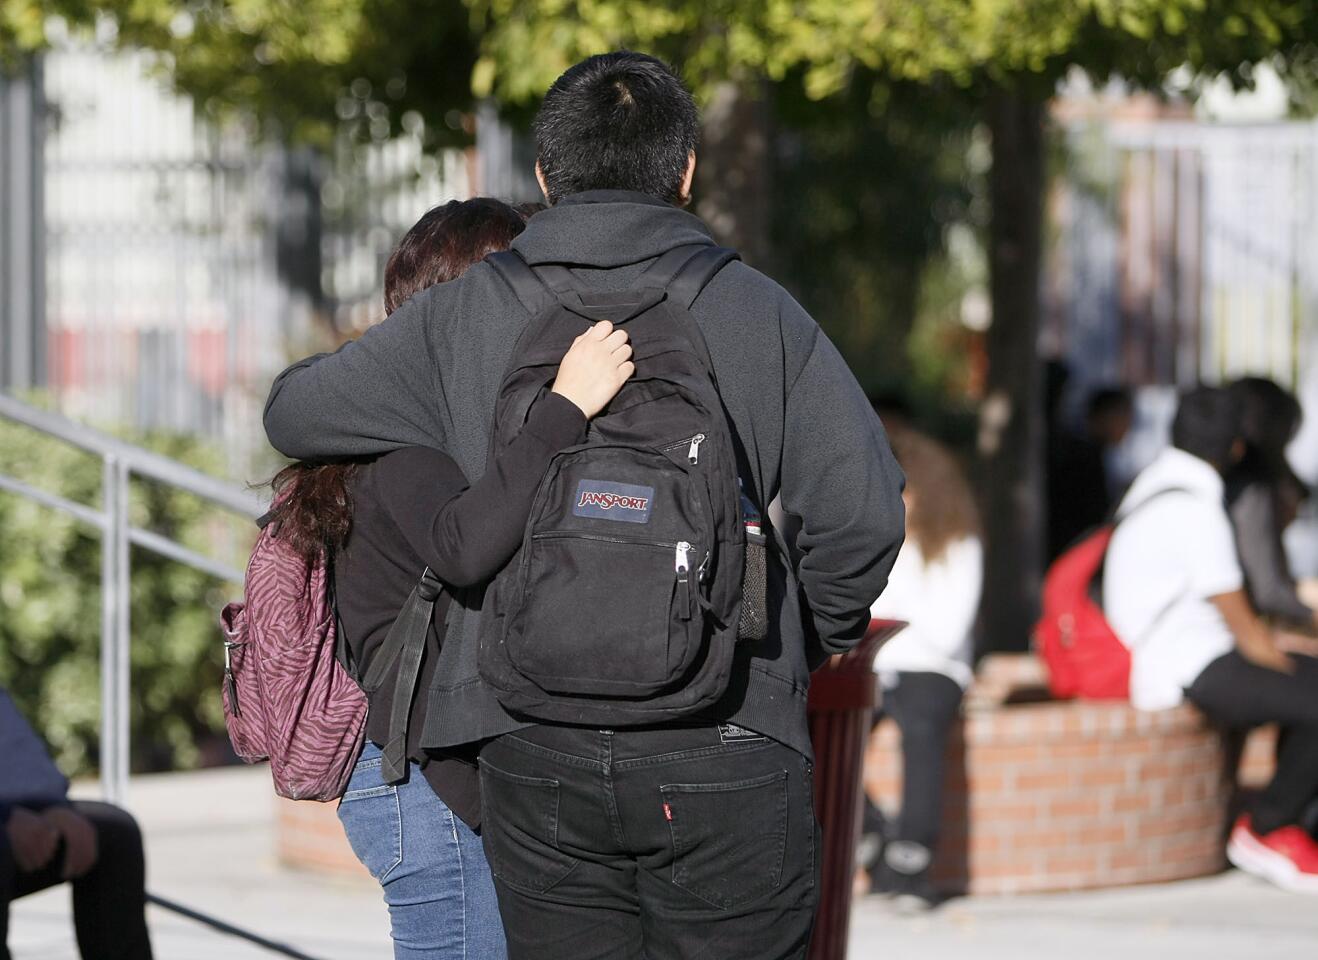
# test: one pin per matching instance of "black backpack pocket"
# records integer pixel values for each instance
(608, 600)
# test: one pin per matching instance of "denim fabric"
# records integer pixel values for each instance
(662, 844)
(429, 863)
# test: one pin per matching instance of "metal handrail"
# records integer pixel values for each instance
(120, 462)
(143, 462)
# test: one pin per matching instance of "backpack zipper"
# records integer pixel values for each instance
(692, 447)
(682, 550)
(604, 538)
(682, 568)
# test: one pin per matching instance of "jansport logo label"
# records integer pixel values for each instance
(608, 500)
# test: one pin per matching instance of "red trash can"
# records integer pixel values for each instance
(840, 707)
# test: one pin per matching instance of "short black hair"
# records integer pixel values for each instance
(1207, 425)
(1107, 400)
(617, 121)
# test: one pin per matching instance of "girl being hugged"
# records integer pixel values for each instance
(383, 522)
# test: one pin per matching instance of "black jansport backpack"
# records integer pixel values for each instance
(622, 606)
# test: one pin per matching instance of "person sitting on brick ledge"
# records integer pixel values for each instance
(1174, 592)
(47, 839)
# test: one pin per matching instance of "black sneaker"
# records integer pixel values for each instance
(905, 876)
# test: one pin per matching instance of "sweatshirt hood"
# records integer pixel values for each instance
(606, 229)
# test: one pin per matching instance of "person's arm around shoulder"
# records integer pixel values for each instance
(465, 533)
(377, 393)
(840, 478)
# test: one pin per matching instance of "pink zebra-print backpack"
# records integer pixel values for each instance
(288, 694)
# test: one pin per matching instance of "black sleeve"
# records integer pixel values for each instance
(465, 534)
(840, 478)
(373, 394)
(1263, 557)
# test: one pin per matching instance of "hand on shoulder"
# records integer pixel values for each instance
(595, 367)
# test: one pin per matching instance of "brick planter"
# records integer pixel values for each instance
(1067, 796)
(308, 836)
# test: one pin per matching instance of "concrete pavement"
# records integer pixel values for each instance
(210, 846)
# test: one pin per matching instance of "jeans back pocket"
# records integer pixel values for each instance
(520, 817)
(729, 839)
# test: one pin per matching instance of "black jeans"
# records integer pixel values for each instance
(670, 843)
(924, 706)
(1237, 694)
(109, 902)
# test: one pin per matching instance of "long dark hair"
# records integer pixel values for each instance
(1270, 416)
(313, 501)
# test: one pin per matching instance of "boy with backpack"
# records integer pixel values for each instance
(644, 661)
(1174, 593)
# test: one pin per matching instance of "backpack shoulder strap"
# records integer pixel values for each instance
(526, 284)
(1151, 498)
(696, 272)
(404, 645)
(690, 276)
(1099, 581)
(692, 273)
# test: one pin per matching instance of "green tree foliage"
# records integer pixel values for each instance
(293, 59)
(50, 613)
(291, 63)
(866, 185)
(528, 43)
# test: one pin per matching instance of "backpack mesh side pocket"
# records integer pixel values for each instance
(754, 622)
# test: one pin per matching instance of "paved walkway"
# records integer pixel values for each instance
(210, 847)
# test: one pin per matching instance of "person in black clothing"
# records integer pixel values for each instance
(1080, 488)
(586, 859)
(1263, 496)
(384, 521)
(47, 839)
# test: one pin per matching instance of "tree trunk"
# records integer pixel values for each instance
(733, 172)
(1011, 418)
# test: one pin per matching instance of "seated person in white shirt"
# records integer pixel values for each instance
(924, 669)
(1174, 593)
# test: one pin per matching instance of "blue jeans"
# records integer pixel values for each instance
(429, 863)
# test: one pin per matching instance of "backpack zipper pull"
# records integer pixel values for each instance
(231, 685)
(693, 454)
(682, 565)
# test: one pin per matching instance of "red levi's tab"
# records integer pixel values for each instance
(668, 813)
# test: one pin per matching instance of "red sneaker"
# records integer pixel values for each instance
(1288, 856)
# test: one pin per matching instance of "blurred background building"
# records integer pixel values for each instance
(160, 269)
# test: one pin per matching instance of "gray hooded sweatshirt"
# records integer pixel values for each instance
(428, 376)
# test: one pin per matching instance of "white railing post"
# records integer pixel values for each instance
(115, 624)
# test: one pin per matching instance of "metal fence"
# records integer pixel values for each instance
(1184, 251)
(185, 263)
